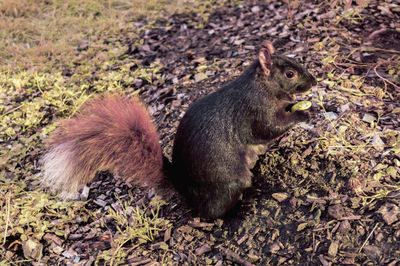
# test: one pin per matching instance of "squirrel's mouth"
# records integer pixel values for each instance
(288, 107)
(296, 97)
(302, 88)
(301, 92)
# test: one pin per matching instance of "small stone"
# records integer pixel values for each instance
(330, 115)
(360, 230)
(369, 118)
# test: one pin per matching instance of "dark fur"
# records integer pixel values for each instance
(214, 147)
(216, 144)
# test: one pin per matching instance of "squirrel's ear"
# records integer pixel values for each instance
(265, 57)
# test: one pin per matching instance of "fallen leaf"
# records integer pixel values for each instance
(389, 213)
(200, 76)
(32, 249)
(377, 142)
(280, 196)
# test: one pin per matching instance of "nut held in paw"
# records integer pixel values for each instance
(301, 106)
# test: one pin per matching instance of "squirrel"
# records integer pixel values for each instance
(216, 145)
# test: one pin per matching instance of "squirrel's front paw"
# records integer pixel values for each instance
(302, 116)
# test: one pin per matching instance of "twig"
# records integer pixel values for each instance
(376, 49)
(351, 217)
(8, 209)
(12, 110)
(385, 80)
(377, 32)
(369, 236)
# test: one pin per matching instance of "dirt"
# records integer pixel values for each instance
(323, 218)
(325, 193)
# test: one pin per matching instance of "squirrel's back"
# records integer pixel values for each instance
(110, 133)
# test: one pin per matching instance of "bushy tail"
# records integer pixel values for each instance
(110, 133)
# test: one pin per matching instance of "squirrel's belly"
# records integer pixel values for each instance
(252, 152)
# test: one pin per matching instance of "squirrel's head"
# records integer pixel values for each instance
(288, 76)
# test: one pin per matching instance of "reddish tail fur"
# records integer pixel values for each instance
(110, 133)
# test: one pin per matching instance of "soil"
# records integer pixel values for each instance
(305, 208)
(325, 193)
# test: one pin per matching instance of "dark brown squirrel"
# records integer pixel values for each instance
(215, 147)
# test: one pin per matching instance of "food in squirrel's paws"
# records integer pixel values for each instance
(301, 106)
(216, 144)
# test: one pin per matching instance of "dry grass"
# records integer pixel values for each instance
(38, 40)
(34, 32)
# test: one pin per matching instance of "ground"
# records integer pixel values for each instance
(325, 193)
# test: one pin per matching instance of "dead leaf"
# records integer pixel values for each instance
(32, 249)
(389, 213)
(280, 196)
(200, 76)
(377, 142)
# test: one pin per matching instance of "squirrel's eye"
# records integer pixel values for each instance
(289, 74)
